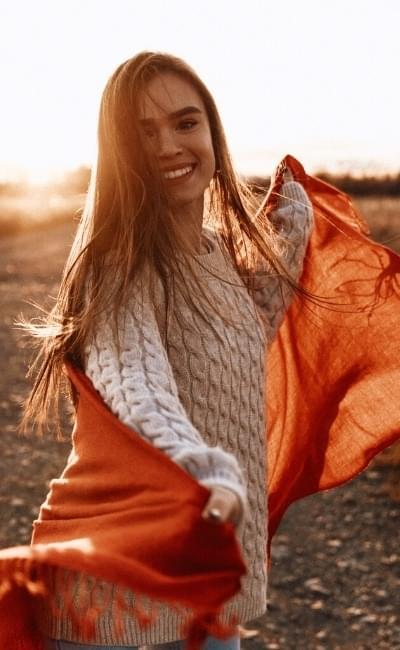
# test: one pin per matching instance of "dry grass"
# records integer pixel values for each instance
(383, 216)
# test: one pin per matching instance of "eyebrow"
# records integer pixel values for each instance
(174, 115)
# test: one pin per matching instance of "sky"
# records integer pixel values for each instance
(318, 80)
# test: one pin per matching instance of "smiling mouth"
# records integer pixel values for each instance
(178, 173)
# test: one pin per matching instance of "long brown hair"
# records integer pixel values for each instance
(127, 224)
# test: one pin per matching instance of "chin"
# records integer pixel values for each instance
(188, 199)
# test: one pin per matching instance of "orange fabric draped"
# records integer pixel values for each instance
(333, 370)
(124, 512)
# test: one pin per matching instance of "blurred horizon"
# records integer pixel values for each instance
(250, 164)
(313, 80)
(74, 183)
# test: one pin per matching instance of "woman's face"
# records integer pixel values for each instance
(177, 132)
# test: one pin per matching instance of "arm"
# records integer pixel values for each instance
(293, 220)
(136, 381)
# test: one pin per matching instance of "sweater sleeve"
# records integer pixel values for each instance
(293, 221)
(135, 379)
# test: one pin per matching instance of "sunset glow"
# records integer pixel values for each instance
(313, 79)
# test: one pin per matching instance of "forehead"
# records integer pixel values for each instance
(168, 93)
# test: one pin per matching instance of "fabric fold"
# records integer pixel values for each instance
(334, 375)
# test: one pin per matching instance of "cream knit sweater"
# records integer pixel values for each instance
(196, 390)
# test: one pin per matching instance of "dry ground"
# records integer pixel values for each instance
(335, 578)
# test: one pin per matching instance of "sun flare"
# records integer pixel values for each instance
(286, 89)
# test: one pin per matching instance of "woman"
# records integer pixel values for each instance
(173, 289)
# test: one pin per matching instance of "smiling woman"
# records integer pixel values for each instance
(172, 290)
(176, 285)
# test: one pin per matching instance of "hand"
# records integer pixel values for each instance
(222, 506)
(288, 176)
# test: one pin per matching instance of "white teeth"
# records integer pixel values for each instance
(178, 172)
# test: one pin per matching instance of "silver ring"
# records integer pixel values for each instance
(215, 514)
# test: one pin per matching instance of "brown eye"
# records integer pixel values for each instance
(186, 125)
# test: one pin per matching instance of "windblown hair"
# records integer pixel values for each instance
(128, 224)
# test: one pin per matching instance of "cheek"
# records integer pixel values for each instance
(202, 147)
(212, 156)
(208, 155)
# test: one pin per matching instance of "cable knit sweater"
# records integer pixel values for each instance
(195, 389)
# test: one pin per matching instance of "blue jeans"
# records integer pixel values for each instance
(211, 643)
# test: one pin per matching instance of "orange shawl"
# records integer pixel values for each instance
(333, 370)
(124, 512)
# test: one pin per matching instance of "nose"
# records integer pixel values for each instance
(168, 144)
